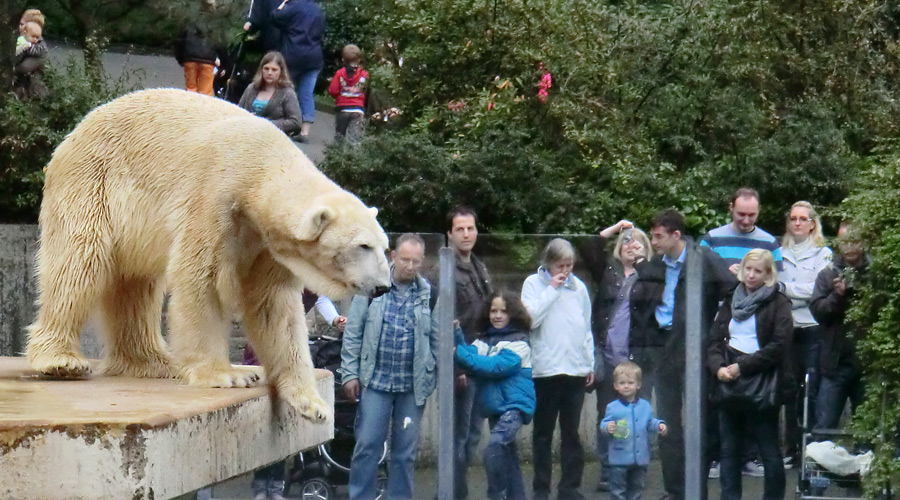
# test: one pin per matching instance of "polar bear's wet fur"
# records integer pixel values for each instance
(169, 190)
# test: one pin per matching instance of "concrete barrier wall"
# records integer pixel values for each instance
(510, 260)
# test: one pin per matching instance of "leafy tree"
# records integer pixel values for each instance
(655, 103)
(875, 208)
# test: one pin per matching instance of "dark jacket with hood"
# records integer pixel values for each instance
(829, 309)
(774, 332)
(302, 27)
(194, 44)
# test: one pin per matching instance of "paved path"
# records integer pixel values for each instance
(426, 484)
(155, 71)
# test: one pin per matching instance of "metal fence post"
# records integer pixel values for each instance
(694, 391)
(445, 315)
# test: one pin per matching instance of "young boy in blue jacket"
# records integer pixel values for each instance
(500, 360)
(629, 420)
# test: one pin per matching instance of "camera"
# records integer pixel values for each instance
(627, 235)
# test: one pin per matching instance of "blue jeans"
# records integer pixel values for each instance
(501, 458)
(466, 433)
(378, 413)
(306, 84)
(834, 390)
(626, 482)
(757, 426)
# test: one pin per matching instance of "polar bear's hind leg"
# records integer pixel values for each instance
(131, 311)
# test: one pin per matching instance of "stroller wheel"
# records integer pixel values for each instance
(316, 488)
(381, 488)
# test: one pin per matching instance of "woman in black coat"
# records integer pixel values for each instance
(615, 276)
(750, 335)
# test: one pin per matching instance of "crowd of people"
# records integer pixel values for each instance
(774, 312)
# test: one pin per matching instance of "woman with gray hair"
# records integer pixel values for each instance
(562, 350)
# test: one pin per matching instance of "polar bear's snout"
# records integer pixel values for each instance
(379, 291)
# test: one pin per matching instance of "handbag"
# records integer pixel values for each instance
(757, 392)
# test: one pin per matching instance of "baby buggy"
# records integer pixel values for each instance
(315, 473)
(828, 472)
(240, 67)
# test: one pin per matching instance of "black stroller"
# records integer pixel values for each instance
(315, 473)
(240, 66)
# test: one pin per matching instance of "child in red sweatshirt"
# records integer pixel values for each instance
(348, 87)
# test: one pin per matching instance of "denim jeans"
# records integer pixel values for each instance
(501, 458)
(762, 428)
(269, 479)
(834, 390)
(626, 482)
(466, 433)
(306, 84)
(378, 413)
(558, 397)
(807, 350)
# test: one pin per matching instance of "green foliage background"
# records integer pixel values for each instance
(653, 104)
(33, 129)
(875, 207)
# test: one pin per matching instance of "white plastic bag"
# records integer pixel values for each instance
(836, 459)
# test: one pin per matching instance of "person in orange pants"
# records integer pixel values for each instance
(196, 53)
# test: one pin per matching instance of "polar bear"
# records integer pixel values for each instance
(171, 190)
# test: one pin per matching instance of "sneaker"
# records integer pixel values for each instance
(602, 485)
(714, 470)
(753, 468)
(791, 461)
(262, 495)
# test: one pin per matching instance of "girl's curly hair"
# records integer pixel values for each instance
(518, 314)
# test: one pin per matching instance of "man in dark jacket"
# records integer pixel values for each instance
(658, 316)
(833, 292)
(473, 286)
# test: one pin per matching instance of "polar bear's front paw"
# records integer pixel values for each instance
(310, 405)
(61, 365)
(234, 376)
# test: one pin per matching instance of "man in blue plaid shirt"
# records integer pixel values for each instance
(388, 364)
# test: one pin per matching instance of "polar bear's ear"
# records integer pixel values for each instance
(373, 211)
(314, 222)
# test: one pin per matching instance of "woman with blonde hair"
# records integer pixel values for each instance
(805, 255)
(750, 338)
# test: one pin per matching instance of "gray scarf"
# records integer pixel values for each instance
(743, 306)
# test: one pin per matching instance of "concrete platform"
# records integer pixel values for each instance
(127, 438)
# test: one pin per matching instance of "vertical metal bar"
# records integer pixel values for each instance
(694, 400)
(445, 315)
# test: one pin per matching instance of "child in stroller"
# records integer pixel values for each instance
(316, 473)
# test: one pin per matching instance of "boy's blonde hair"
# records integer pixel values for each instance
(350, 54)
(33, 16)
(34, 29)
(628, 368)
(768, 261)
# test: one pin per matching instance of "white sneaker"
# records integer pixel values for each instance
(753, 468)
(714, 470)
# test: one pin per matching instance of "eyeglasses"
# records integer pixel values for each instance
(800, 218)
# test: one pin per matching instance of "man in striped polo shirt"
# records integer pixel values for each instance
(733, 241)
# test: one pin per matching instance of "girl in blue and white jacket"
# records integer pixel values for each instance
(500, 360)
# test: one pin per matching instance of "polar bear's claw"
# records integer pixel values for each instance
(310, 405)
(236, 376)
(62, 366)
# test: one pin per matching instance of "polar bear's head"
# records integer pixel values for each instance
(335, 247)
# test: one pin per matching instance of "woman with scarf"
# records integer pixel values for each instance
(751, 335)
